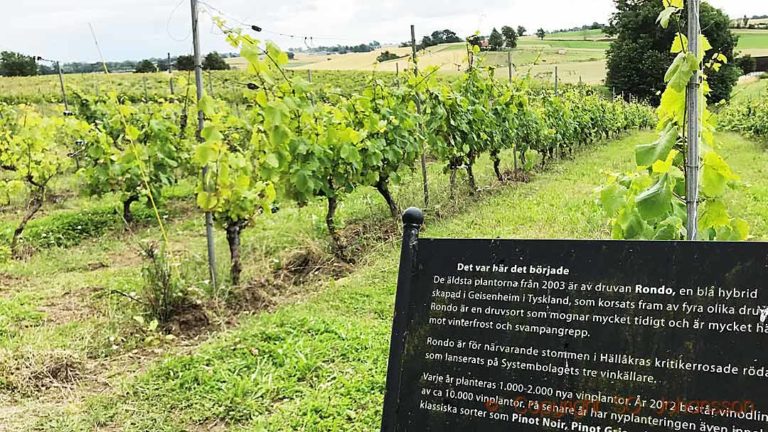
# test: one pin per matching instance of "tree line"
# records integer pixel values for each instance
(14, 64)
(343, 49)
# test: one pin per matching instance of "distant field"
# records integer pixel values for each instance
(578, 35)
(578, 60)
(753, 42)
(578, 55)
(565, 43)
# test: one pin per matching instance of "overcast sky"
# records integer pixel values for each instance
(134, 29)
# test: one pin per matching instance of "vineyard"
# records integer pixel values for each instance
(295, 142)
(747, 117)
(108, 306)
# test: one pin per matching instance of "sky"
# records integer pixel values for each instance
(136, 29)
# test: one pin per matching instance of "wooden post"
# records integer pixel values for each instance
(418, 107)
(170, 73)
(63, 90)
(509, 64)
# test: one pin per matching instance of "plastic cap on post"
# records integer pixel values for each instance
(413, 216)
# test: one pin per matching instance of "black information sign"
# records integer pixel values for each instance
(518, 335)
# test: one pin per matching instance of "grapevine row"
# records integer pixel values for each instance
(295, 141)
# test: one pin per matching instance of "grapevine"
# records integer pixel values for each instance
(649, 203)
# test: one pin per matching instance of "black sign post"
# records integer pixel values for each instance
(412, 220)
(587, 336)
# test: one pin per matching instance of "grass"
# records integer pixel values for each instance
(750, 89)
(62, 302)
(754, 42)
(319, 363)
(577, 59)
(565, 43)
(592, 34)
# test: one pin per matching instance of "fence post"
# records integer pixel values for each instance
(425, 178)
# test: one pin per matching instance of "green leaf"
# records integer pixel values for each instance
(302, 182)
(673, 3)
(613, 197)
(670, 229)
(631, 224)
(350, 153)
(647, 154)
(704, 46)
(679, 74)
(664, 167)
(132, 133)
(665, 16)
(715, 175)
(205, 154)
(206, 105)
(680, 44)
(207, 201)
(211, 134)
(740, 228)
(656, 202)
(714, 214)
(272, 160)
(280, 136)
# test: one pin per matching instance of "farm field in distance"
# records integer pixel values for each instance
(579, 55)
(585, 62)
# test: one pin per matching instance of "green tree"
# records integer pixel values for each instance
(521, 31)
(540, 33)
(145, 66)
(510, 37)
(427, 42)
(214, 61)
(15, 64)
(185, 63)
(45, 70)
(387, 56)
(496, 41)
(639, 55)
(450, 36)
